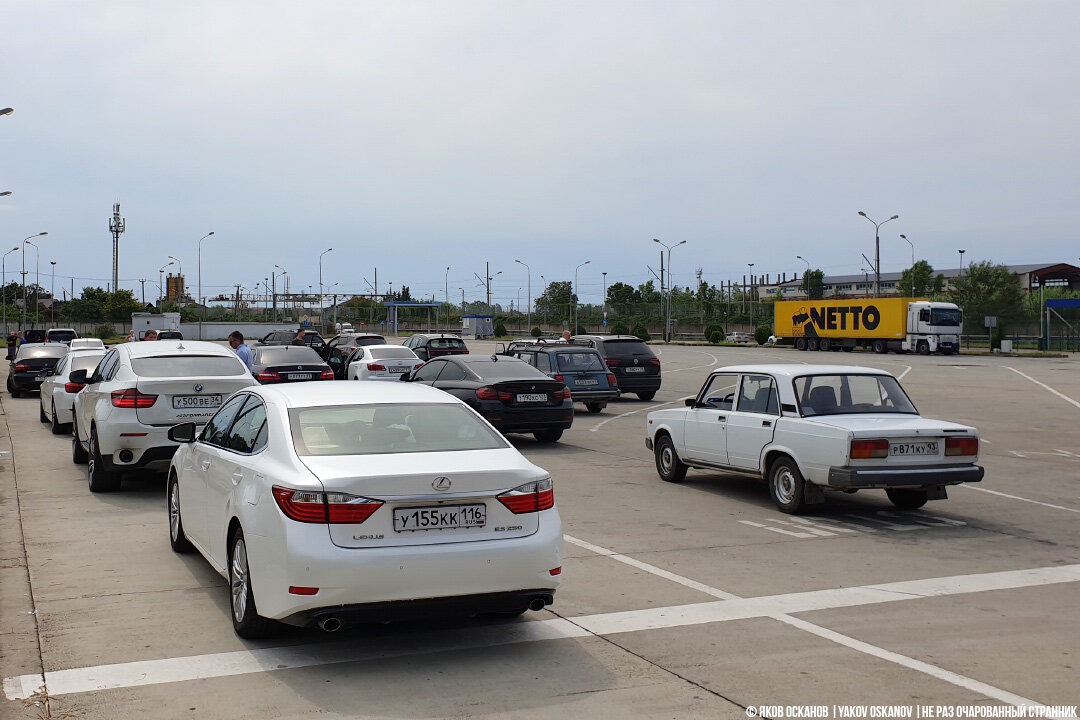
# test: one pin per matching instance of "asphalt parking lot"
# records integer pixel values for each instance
(679, 601)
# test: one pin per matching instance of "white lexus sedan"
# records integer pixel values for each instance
(136, 393)
(57, 396)
(811, 428)
(325, 503)
(381, 362)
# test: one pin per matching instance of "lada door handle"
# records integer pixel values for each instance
(722, 418)
(204, 464)
(766, 423)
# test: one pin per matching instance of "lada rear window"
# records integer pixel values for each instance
(626, 348)
(851, 394)
(187, 366)
(396, 428)
(580, 362)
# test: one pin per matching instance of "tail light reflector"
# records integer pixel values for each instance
(73, 387)
(376, 367)
(530, 497)
(555, 571)
(490, 393)
(132, 398)
(22, 367)
(612, 381)
(962, 446)
(267, 376)
(317, 507)
(869, 449)
(562, 393)
(326, 375)
(298, 590)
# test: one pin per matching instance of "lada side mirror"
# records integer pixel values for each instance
(690, 402)
(182, 433)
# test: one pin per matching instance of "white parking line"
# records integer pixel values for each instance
(1017, 497)
(779, 607)
(906, 371)
(602, 423)
(1064, 397)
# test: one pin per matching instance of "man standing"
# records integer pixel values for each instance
(299, 339)
(236, 342)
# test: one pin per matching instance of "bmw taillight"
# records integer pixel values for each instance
(376, 367)
(489, 393)
(562, 393)
(267, 376)
(22, 367)
(861, 449)
(962, 446)
(73, 387)
(326, 374)
(530, 497)
(132, 398)
(318, 507)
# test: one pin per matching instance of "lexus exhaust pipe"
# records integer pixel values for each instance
(330, 624)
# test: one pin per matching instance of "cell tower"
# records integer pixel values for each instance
(117, 225)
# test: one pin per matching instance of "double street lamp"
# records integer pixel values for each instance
(321, 285)
(3, 281)
(25, 299)
(202, 309)
(529, 291)
(877, 250)
(667, 317)
(576, 299)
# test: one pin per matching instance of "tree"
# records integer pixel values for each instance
(648, 293)
(919, 280)
(120, 305)
(620, 293)
(988, 289)
(814, 284)
(557, 301)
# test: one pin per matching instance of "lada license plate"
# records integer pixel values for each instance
(532, 397)
(398, 369)
(184, 402)
(634, 369)
(913, 448)
(300, 376)
(586, 382)
(451, 517)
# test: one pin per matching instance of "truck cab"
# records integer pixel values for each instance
(933, 327)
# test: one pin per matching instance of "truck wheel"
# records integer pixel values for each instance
(800, 343)
(907, 498)
(923, 347)
(668, 465)
(786, 485)
(812, 344)
(880, 347)
(824, 345)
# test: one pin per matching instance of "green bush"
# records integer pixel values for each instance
(104, 332)
(536, 332)
(711, 329)
(620, 328)
(715, 337)
(500, 330)
(762, 333)
(641, 331)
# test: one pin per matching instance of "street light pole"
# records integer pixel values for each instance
(52, 290)
(877, 251)
(446, 297)
(161, 282)
(3, 281)
(911, 273)
(202, 309)
(284, 272)
(667, 319)
(806, 277)
(24, 273)
(576, 299)
(529, 291)
(751, 266)
(320, 285)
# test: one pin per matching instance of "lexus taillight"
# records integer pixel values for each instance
(73, 387)
(22, 367)
(612, 381)
(869, 449)
(132, 398)
(962, 446)
(267, 376)
(376, 367)
(490, 393)
(326, 375)
(562, 393)
(530, 497)
(318, 507)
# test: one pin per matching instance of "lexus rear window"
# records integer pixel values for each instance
(393, 351)
(188, 366)
(626, 348)
(287, 354)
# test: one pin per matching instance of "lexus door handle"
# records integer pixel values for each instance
(237, 477)
(204, 464)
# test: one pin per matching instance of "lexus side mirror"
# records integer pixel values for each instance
(405, 377)
(182, 433)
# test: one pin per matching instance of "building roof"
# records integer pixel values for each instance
(947, 274)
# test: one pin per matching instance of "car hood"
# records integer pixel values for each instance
(889, 422)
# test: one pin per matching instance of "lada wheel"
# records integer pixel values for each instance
(78, 455)
(177, 539)
(668, 465)
(786, 485)
(593, 408)
(98, 478)
(57, 428)
(246, 621)
(907, 498)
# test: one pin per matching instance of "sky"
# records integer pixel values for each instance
(415, 136)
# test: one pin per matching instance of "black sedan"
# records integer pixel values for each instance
(288, 363)
(512, 395)
(32, 363)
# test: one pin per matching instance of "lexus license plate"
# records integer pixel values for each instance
(186, 402)
(451, 517)
(913, 448)
(532, 397)
(397, 369)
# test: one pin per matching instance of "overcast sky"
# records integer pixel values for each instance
(412, 136)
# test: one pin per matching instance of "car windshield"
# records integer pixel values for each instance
(286, 354)
(947, 317)
(376, 429)
(505, 368)
(391, 352)
(579, 362)
(626, 348)
(851, 394)
(187, 366)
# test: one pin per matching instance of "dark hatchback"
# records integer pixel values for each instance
(427, 347)
(512, 395)
(339, 348)
(634, 365)
(285, 337)
(31, 365)
(288, 363)
(580, 368)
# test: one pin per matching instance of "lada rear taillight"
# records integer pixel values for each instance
(962, 446)
(861, 449)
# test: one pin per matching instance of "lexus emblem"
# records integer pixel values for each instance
(198, 388)
(441, 483)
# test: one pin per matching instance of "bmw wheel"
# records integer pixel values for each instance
(12, 389)
(177, 539)
(548, 436)
(78, 454)
(246, 621)
(57, 428)
(668, 465)
(786, 485)
(98, 478)
(42, 417)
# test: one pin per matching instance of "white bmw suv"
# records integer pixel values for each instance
(139, 390)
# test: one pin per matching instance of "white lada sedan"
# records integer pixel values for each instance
(807, 429)
(136, 393)
(324, 503)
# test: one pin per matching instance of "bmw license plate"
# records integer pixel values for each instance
(586, 382)
(634, 369)
(451, 517)
(913, 448)
(532, 397)
(185, 402)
